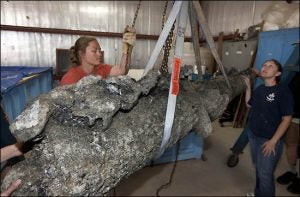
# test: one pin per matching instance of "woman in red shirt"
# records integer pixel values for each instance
(85, 57)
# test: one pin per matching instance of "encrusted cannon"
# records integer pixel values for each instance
(96, 132)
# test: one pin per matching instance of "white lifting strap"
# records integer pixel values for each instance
(163, 36)
(174, 83)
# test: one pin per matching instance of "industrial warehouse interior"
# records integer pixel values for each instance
(150, 98)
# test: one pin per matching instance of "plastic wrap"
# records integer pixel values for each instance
(281, 14)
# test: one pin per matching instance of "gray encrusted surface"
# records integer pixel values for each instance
(98, 132)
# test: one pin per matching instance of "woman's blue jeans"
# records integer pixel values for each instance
(264, 165)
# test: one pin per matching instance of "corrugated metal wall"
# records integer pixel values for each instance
(38, 49)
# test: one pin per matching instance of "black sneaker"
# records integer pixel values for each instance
(294, 187)
(287, 178)
(233, 160)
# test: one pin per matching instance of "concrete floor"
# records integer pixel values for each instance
(202, 178)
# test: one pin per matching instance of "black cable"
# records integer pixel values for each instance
(114, 192)
(164, 186)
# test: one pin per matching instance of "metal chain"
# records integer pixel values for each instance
(167, 45)
(164, 14)
(136, 13)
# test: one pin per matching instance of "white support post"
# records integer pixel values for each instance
(175, 78)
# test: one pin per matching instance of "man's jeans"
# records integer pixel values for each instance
(264, 166)
(241, 142)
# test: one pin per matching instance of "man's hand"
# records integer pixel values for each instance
(13, 187)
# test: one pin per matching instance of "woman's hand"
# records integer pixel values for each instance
(129, 35)
(247, 81)
(255, 72)
(248, 90)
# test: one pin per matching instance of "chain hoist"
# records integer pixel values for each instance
(136, 13)
(164, 15)
(167, 45)
(130, 47)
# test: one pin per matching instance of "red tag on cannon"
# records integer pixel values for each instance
(175, 76)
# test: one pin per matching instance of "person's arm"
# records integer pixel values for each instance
(269, 146)
(128, 59)
(10, 151)
(129, 38)
(119, 69)
(248, 83)
(248, 90)
(13, 187)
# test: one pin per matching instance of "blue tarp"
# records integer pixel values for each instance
(11, 75)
